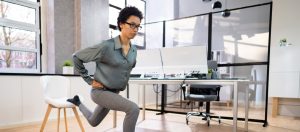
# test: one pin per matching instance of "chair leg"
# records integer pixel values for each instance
(228, 104)
(46, 117)
(78, 119)
(66, 124)
(192, 106)
(58, 119)
(207, 109)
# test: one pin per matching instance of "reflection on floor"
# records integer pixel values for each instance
(219, 109)
(171, 123)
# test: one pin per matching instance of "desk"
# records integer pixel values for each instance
(233, 82)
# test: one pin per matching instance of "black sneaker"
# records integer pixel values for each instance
(75, 100)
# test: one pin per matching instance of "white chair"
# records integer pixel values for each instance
(56, 92)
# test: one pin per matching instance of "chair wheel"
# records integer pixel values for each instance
(219, 121)
(208, 121)
(187, 122)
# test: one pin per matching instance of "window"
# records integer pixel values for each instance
(115, 7)
(19, 36)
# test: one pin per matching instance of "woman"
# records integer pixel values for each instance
(114, 60)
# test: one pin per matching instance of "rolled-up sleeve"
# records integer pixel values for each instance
(94, 53)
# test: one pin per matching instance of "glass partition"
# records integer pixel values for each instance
(239, 36)
(239, 43)
(154, 35)
(187, 32)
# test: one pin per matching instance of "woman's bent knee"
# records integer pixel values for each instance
(93, 124)
(137, 109)
(134, 109)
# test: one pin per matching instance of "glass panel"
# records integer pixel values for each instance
(187, 32)
(17, 12)
(139, 40)
(118, 3)
(33, 0)
(138, 4)
(17, 38)
(257, 94)
(257, 74)
(17, 60)
(142, 29)
(243, 33)
(154, 35)
(113, 15)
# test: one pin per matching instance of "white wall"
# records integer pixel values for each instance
(94, 25)
(158, 10)
(284, 65)
(68, 26)
(22, 99)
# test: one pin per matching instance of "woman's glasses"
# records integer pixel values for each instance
(133, 26)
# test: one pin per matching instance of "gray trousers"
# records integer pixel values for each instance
(108, 100)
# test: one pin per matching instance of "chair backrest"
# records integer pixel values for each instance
(200, 89)
(204, 89)
(55, 86)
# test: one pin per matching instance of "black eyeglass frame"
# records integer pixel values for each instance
(133, 26)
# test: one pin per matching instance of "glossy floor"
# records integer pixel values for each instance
(168, 122)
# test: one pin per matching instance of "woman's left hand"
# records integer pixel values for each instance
(96, 84)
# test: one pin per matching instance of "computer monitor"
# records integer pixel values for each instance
(148, 62)
(185, 60)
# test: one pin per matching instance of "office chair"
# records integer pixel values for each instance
(201, 93)
(56, 92)
(211, 64)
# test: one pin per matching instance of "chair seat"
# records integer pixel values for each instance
(204, 98)
(59, 102)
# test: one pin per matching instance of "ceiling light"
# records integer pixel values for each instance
(217, 4)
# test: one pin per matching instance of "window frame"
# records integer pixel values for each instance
(28, 27)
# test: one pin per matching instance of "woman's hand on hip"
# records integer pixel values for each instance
(96, 84)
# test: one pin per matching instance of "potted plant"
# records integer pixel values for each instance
(209, 73)
(68, 67)
(283, 42)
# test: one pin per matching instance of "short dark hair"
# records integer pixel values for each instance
(126, 12)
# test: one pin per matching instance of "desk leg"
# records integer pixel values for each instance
(163, 99)
(235, 106)
(144, 102)
(114, 119)
(246, 108)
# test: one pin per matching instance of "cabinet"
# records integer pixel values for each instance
(284, 84)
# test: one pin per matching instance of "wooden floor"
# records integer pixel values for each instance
(168, 122)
